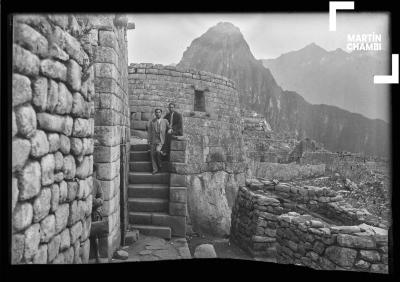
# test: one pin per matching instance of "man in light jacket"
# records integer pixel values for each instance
(157, 128)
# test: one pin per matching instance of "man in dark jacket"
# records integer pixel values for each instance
(175, 120)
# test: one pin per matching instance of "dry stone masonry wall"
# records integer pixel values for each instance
(214, 156)
(307, 226)
(56, 134)
(52, 145)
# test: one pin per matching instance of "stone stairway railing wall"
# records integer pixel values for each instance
(260, 207)
(65, 67)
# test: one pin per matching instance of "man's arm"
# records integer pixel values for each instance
(149, 131)
(179, 127)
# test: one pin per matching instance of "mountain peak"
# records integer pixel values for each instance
(225, 27)
(313, 46)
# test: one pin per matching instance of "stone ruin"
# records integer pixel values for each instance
(76, 102)
(309, 226)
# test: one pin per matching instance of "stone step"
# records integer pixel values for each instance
(148, 191)
(176, 223)
(139, 156)
(148, 205)
(153, 230)
(140, 147)
(146, 166)
(148, 178)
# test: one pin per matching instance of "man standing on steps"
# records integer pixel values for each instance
(157, 129)
(175, 120)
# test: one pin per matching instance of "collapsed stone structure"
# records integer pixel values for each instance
(308, 226)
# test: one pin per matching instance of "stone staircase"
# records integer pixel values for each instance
(149, 197)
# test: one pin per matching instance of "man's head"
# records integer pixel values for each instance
(171, 107)
(158, 113)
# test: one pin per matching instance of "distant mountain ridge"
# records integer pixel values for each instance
(335, 78)
(223, 50)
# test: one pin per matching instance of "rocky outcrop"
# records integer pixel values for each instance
(210, 201)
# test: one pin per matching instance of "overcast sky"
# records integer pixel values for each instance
(162, 38)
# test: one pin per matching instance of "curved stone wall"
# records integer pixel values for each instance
(215, 157)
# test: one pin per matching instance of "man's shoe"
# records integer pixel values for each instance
(155, 171)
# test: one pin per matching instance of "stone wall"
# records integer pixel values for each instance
(259, 217)
(56, 133)
(284, 172)
(306, 240)
(52, 145)
(215, 157)
(106, 42)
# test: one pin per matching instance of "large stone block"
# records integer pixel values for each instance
(84, 169)
(25, 62)
(52, 95)
(69, 167)
(29, 182)
(26, 120)
(48, 228)
(58, 160)
(14, 128)
(178, 209)
(79, 105)
(73, 187)
(178, 156)
(178, 145)
(73, 213)
(53, 248)
(69, 255)
(63, 191)
(17, 248)
(55, 123)
(362, 242)
(20, 153)
(108, 39)
(371, 256)
(22, 216)
(30, 39)
(48, 164)
(65, 241)
(21, 89)
(61, 214)
(342, 256)
(32, 240)
(83, 127)
(106, 153)
(55, 197)
(84, 251)
(108, 171)
(65, 144)
(74, 74)
(41, 256)
(86, 224)
(41, 205)
(76, 231)
(178, 194)
(76, 146)
(53, 69)
(64, 104)
(14, 193)
(177, 180)
(54, 142)
(106, 54)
